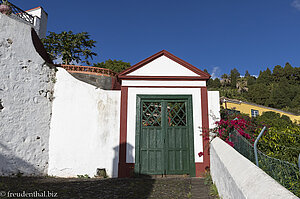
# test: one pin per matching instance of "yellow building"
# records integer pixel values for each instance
(254, 109)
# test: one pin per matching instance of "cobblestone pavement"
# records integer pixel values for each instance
(102, 188)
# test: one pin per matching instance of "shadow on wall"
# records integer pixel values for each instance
(115, 162)
(135, 184)
(12, 165)
(214, 116)
(129, 167)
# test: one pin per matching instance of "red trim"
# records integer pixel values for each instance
(33, 9)
(166, 86)
(163, 78)
(202, 74)
(127, 170)
(89, 73)
(122, 168)
(113, 81)
(36, 9)
(201, 167)
(88, 70)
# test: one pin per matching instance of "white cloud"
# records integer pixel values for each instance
(296, 4)
(215, 72)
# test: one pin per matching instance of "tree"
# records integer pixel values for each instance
(258, 93)
(224, 76)
(216, 83)
(278, 73)
(273, 119)
(247, 74)
(225, 80)
(234, 75)
(210, 82)
(281, 95)
(251, 80)
(70, 46)
(115, 65)
(265, 77)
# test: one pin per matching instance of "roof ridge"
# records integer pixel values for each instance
(183, 63)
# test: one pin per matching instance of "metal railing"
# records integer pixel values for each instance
(20, 13)
(287, 174)
(88, 70)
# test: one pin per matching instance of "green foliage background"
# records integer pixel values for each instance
(279, 145)
(279, 88)
(70, 46)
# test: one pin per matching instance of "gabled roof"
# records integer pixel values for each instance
(199, 74)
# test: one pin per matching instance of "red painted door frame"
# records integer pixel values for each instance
(126, 169)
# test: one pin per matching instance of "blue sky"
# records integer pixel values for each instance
(217, 35)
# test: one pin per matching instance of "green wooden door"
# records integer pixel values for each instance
(151, 139)
(177, 144)
(164, 138)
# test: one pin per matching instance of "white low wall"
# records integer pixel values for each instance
(85, 128)
(237, 177)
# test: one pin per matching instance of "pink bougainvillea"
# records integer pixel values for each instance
(242, 124)
(200, 154)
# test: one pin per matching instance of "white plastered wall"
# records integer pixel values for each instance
(213, 108)
(163, 66)
(40, 20)
(131, 115)
(85, 129)
(26, 96)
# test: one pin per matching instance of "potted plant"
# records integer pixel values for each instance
(5, 7)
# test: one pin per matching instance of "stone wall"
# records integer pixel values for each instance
(26, 87)
(103, 82)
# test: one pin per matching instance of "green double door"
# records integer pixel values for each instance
(164, 136)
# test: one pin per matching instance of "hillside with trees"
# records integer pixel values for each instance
(279, 88)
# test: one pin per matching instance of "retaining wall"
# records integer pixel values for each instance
(85, 128)
(237, 177)
(103, 82)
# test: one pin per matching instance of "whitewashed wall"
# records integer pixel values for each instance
(213, 108)
(237, 177)
(163, 66)
(25, 93)
(85, 128)
(40, 20)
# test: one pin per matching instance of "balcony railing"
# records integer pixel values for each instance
(88, 70)
(20, 13)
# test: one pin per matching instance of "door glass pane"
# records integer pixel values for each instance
(151, 115)
(176, 114)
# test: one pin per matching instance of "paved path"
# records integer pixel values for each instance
(112, 188)
(199, 190)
